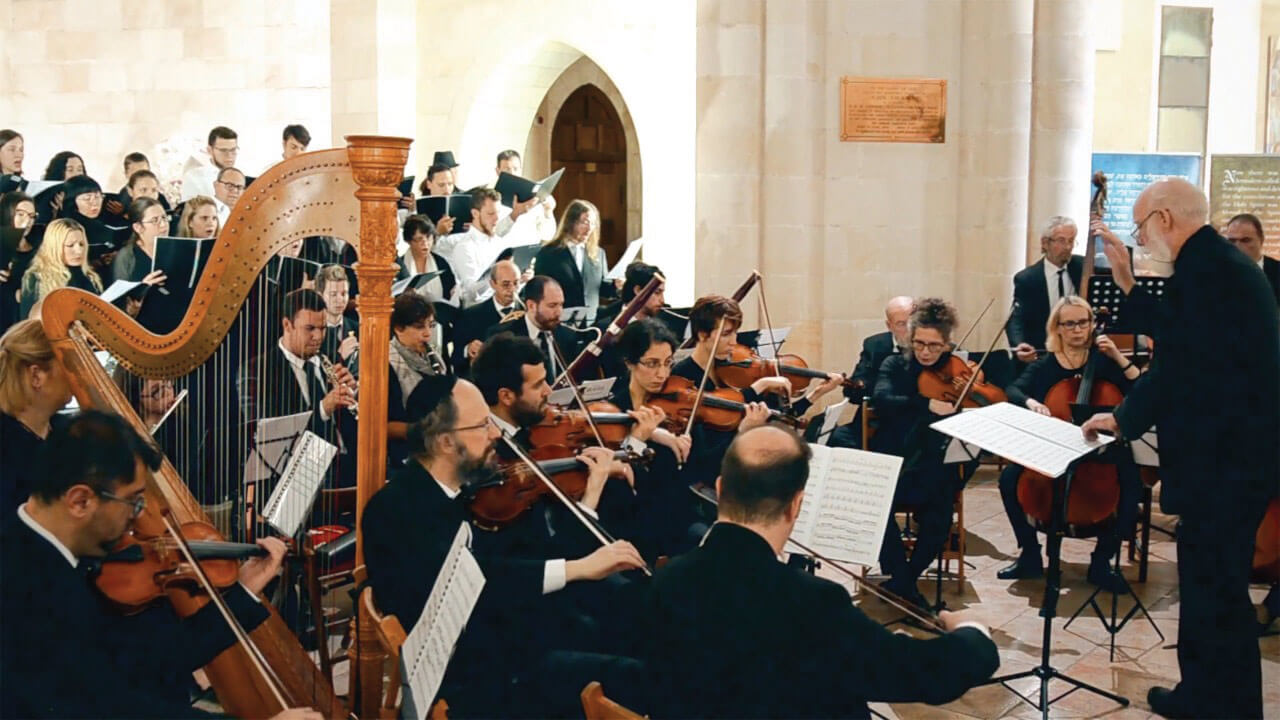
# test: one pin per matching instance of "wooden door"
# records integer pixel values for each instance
(588, 141)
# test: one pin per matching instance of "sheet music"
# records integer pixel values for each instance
(118, 289)
(1038, 442)
(847, 502)
(768, 342)
(830, 416)
(291, 501)
(619, 271)
(428, 647)
(271, 440)
(591, 391)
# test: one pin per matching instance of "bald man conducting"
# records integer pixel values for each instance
(1214, 392)
(728, 631)
(874, 351)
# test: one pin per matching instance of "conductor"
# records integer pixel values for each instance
(1215, 476)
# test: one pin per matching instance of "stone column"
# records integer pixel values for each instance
(1062, 84)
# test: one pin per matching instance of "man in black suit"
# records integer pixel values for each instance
(505, 658)
(637, 276)
(1219, 462)
(1245, 232)
(473, 323)
(874, 351)
(66, 651)
(731, 632)
(1037, 288)
(540, 322)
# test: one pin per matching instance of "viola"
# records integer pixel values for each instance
(143, 569)
(947, 381)
(744, 366)
(720, 409)
(572, 429)
(1094, 491)
(497, 504)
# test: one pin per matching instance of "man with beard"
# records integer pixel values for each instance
(1212, 390)
(66, 651)
(540, 322)
(472, 252)
(509, 659)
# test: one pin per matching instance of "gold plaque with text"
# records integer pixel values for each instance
(893, 109)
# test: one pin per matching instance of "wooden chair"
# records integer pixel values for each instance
(391, 637)
(598, 707)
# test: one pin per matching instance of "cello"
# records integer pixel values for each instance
(1094, 491)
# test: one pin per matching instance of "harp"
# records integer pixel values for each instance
(348, 193)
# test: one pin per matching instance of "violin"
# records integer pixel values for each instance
(744, 366)
(572, 429)
(497, 504)
(959, 382)
(1094, 491)
(142, 569)
(720, 409)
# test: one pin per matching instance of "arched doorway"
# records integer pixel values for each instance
(589, 142)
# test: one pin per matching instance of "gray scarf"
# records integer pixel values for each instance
(409, 367)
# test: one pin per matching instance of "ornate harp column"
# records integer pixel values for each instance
(377, 164)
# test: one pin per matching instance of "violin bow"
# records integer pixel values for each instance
(974, 326)
(577, 394)
(610, 335)
(596, 530)
(773, 339)
(702, 382)
(973, 377)
(737, 296)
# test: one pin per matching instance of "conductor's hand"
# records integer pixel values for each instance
(757, 414)
(1025, 352)
(1117, 254)
(615, 557)
(298, 714)
(647, 421)
(952, 620)
(257, 572)
(1100, 423)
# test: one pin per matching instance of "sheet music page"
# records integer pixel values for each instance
(768, 343)
(118, 289)
(429, 645)
(831, 416)
(847, 502)
(294, 494)
(619, 271)
(1038, 442)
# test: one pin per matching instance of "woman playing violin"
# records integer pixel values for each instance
(904, 416)
(1070, 340)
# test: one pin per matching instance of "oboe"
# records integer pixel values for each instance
(331, 372)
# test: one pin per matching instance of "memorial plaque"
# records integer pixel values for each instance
(893, 109)
(1247, 184)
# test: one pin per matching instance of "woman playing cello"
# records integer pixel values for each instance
(1070, 340)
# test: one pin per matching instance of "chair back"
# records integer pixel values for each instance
(391, 637)
(595, 706)
(868, 423)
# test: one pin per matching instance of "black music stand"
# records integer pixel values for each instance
(1108, 299)
(1052, 579)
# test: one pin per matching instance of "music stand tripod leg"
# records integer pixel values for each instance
(1045, 671)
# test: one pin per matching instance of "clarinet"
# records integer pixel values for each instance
(331, 372)
(437, 362)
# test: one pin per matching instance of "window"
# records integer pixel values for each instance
(1185, 40)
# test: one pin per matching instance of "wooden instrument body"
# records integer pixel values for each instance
(721, 409)
(1095, 488)
(744, 366)
(163, 571)
(570, 428)
(946, 380)
(498, 504)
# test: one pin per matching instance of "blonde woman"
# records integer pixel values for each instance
(575, 259)
(199, 218)
(33, 388)
(61, 261)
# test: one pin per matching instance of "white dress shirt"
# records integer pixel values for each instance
(1051, 279)
(44, 533)
(434, 288)
(300, 374)
(579, 252)
(199, 181)
(470, 254)
(224, 211)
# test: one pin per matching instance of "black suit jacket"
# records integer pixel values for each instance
(730, 632)
(408, 526)
(66, 653)
(874, 351)
(473, 323)
(565, 338)
(582, 288)
(1031, 293)
(1212, 387)
(1271, 268)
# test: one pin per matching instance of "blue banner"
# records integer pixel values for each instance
(1129, 173)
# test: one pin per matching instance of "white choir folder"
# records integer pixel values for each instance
(428, 647)
(1038, 442)
(846, 503)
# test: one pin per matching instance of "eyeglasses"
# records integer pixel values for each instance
(932, 347)
(152, 221)
(230, 186)
(1075, 324)
(654, 363)
(138, 502)
(488, 422)
(1138, 228)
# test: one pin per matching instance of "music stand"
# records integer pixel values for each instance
(273, 440)
(1108, 299)
(1045, 671)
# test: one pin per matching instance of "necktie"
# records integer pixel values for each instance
(1061, 290)
(551, 358)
